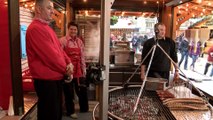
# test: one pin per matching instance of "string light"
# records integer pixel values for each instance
(86, 13)
(63, 11)
(144, 2)
(204, 10)
(199, 1)
(122, 14)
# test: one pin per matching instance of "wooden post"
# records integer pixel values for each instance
(15, 60)
(174, 22)
(167, 20)
(104, 58)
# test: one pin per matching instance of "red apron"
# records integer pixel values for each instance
(75, 57)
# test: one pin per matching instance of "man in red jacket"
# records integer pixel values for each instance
(47, 62)
(209, 61)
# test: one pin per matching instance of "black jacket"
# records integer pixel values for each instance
(160, 61)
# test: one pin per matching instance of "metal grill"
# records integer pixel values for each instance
(150, 107)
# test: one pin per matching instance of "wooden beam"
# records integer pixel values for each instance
(201, 5)
(177, 2)
(188, 17)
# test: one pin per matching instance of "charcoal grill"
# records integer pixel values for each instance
(122, 101)
(150, 107)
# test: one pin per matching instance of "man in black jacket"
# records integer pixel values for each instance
(161, 64)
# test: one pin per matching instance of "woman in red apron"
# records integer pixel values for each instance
(73, 46)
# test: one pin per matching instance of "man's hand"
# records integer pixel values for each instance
(69, 79)
(84, 72)
(69, 69)
(142, 72)
(176, 77)
(142, 75)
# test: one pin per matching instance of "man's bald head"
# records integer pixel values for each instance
(43, 9)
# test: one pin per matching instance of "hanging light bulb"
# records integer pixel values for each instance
(145, 2)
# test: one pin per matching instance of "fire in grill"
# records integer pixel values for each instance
(150, 107)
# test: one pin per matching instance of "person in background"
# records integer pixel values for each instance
(194, 52)
(203, 49)
(134, 42)
(48, 63)
(143, 39)
(161, 65)
(209, 61)
(74, 48)
(184, 50)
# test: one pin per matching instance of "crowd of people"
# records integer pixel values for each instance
(137, 41)
(194, 50)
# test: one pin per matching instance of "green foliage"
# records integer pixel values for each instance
(113, 20)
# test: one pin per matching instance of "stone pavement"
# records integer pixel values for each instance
(198, 70)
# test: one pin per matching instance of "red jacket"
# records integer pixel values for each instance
(210, 54)
(46, 58)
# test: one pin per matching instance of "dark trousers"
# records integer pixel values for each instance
(206, 68)
(194, 58)
(81, 92)
(184, 55)
(49, 94)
